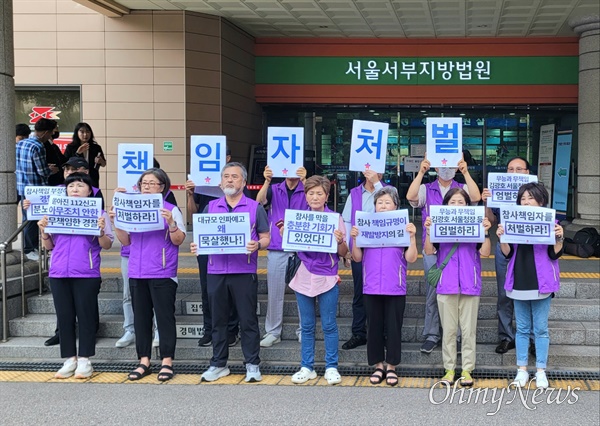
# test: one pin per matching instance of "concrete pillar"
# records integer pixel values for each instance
(8, 188)
(588, 173)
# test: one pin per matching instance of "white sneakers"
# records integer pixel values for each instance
(269, 340)
(304, 375)
(332, 376)
(541, 381)
(521, 379)
(127, 339)
(252, 373)
(82, 369)
(33, 255)
(215, 373)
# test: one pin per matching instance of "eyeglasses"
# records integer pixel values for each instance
(517, 170)
(151, 184)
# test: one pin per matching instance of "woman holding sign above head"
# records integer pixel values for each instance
(152, 271)
(317, 280)
(75, 282)
(458, 287)
(384, 290)
(532, 278)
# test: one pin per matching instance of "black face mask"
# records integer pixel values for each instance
(55, 135)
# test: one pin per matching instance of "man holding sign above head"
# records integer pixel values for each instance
(288, 194)
(424, 196)
(232, 277)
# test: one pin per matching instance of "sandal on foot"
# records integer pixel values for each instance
(448, 377)
(376, 378)
(136, 375)
(466, 379)
(165, 376)
(391, 378)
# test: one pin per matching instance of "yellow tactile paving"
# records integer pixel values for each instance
(593, 385)
(232, 379)
(416, 382)
(287, 381)
(10, 376)
(268, 380)
(109, 378)
(35, 376)
(568, 384)
(184, 379)
(72, 379)
(148, 380)
(346, 381)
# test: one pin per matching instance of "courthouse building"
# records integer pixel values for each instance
(523, 74)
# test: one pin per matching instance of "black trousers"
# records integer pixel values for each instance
(359, 315)
(76, 300)
(233, 325)
(149, 296)
(241, 291)
(385, 315)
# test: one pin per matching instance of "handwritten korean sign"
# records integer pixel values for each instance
(528, 225)
(505, 187)
(207, 158)
(73, 215)
(285, 150)
(221, 233)
(368, 148)
(310, 231)
(133, 160)
(138, 212)
(444, 141)
(39, 196)
(384, 229)
(452, 224)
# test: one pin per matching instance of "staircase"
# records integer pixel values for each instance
(574, 328)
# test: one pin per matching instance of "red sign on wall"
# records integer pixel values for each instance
(43, 112)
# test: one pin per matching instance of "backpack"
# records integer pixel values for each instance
(585, 243)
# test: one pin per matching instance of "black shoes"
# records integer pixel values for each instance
(53, 341)
(232, 340)
(428, 346)
(354, 342)
(206, 340)
(505, 346)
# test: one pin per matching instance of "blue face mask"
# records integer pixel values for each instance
(446, 173)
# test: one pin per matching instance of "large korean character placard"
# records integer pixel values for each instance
(285, 150)
(39, 196)
(138, 212)
(444, 141)
(451, 224)
(528, 225)
(133, 160)
(505, 187)
(368, 148)
(383, 229)
(73, 215)
(207, 158)
(310, 231)
(221, 233)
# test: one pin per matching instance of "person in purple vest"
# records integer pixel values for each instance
(317, 281)
(384, 292)
(432, 194)
(458, 292)
(152, 270)
(232, 278)
(359, 199)
(75, 282)
(288, 194)
(532, 278)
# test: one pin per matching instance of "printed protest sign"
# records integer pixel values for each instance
(285, 150)
(505, 187)
(39, 196)
(221, 233)
(208, 155)
(138, 212)
(368, 148)
(310, 231)
(450, 224)
(73, 215)
(383, 229)
(444, 141)
(133, 160)
(528, 225)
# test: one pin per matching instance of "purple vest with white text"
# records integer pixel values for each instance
(547, 270)
(462, 274)
(279, 203)
(384, 271)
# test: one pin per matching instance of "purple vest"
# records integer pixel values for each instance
(152, 254)
(235, 263)
(434, 198)
(462, 274)
(547, 270)
(75, 256)
(384, 271)
(325, 264)
(279, 203)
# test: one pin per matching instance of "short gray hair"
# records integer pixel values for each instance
(235, 164)
(388, 190)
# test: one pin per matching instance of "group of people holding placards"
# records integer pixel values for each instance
(306, 241)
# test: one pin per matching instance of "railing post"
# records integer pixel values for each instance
(23, 276)
(40, 272)
(3, 282)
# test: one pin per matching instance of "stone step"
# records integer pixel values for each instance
(583, 289)
(565, 309)
(561, 357)
(111, 326)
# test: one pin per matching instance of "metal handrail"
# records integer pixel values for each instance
(3, 275)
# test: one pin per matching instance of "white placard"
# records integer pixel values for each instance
(285, 150)
(418, 150)
(505, 187)
(368, 149)
(310, 231)
(138, 212)
(412, 165)
(221, 233)
(383, 229)
(444, 141)
(451, 224)
(546, 157)
(207, 157)
(39, 196)
(133, 160)
(74, 215)
(528, 225)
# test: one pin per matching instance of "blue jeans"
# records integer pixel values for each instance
(532, 314)
(328, 302)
